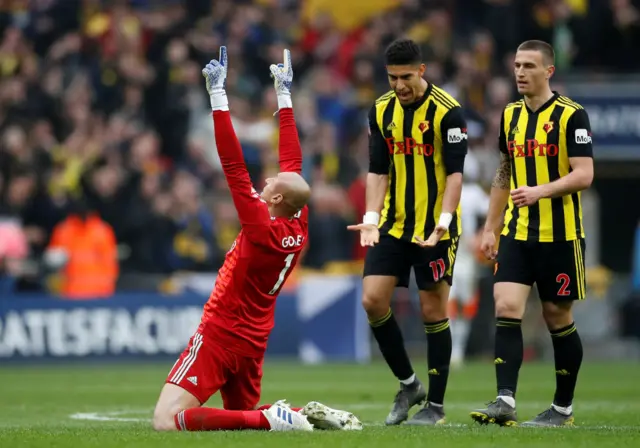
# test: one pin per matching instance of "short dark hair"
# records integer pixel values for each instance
(403, 52)
(538, 45)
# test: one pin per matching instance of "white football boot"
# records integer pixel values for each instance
(282, 418)
(284, 403)
(324, 417)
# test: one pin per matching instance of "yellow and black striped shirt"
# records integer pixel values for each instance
(418, 146)
(539, 145)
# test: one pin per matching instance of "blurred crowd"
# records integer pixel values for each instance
(107, 156)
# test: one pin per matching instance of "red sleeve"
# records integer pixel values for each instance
(289, 145)
(252, 210)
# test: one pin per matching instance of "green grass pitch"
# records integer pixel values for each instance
(112, 406)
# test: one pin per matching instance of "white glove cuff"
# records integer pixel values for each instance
(284, 101)
(219, 101)
(371, 218)
(445, 220)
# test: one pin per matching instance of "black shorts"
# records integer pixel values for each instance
(395, 258)
(556, 268)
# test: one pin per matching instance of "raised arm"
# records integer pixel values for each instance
(252, 211)
(289, 149)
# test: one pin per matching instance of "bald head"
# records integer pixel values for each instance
(286, 193)
(295, 190)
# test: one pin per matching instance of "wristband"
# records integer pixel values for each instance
(445, 220)
(219, 101)
(284, 101)
(371, 218)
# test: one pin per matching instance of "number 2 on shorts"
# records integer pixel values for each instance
(283, 273)
(564, 281)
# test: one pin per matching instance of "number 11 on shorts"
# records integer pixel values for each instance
(283, 273)
(438, 268)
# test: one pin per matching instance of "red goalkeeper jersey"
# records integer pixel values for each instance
(240, 311)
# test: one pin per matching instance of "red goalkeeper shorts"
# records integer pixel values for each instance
(205, 368)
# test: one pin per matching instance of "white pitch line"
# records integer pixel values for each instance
(111, 416)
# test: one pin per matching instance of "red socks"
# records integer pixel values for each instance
(211, 419)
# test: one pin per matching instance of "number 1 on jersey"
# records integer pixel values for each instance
(283, 273)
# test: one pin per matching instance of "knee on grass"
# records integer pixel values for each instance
(163, 419)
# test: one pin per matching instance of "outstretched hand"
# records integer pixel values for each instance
(369, 233)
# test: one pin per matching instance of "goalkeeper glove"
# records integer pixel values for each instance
(282, 75)
(215, 74)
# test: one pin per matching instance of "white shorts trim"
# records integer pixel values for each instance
(188, 361)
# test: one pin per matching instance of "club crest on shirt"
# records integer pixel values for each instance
(424, 126)
(547, 127)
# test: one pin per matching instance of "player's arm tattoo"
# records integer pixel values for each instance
(502, 178)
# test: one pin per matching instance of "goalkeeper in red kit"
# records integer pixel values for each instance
(226, 353)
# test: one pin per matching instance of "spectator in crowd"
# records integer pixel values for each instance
(194, 245)
(84, 247)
